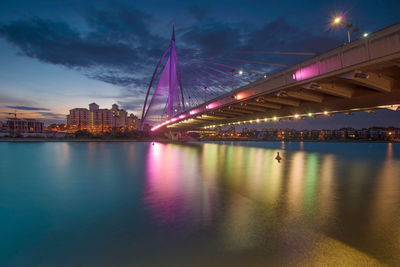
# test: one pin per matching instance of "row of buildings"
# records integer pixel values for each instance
(94, 119)
(99, 120)
(372, 134)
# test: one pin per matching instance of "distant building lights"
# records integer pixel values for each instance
(294, 76)
(173, 119)
(265, 119)
(182, 116)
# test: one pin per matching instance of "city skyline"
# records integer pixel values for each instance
(57, 67)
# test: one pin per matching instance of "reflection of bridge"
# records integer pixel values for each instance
(362, 75)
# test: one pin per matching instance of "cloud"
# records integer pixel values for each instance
(121, 46)
(51, 115)
(200, 13)
(119, 40)
(10, 100)
(212, 36)
(26, 108)
(135, 104)
(57, 43)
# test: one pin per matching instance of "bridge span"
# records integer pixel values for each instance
(361, 75)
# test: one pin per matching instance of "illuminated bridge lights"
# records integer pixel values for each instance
(275, 118)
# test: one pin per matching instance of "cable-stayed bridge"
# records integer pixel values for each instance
(361, 75)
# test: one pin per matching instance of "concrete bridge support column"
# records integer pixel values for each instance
(173, 135)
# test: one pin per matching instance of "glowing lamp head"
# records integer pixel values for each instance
(296, 116)
(181, 116)
(275, 118)
(337, 20)
(310, 114)
(240, 72)
(325, 112)
(365, 34)
(238, 96)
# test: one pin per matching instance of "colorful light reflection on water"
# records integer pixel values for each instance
(205, 203)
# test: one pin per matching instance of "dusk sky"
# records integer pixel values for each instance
(58, 55)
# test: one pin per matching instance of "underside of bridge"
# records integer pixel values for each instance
(364, 89)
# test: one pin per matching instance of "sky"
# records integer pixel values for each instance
(57, 55)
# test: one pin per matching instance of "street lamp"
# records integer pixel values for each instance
(337, 20)
(340, 20)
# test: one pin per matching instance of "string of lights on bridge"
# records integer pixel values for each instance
(182, 118)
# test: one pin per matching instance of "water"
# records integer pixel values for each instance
(199, 204)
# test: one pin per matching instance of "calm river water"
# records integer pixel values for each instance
(199, 204)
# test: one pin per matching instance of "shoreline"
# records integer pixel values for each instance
(49, 140)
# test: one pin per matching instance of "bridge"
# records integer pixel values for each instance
(363, 75)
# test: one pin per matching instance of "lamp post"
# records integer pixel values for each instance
(348, 27)
(339, 20)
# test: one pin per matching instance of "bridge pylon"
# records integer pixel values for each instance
(168, 90)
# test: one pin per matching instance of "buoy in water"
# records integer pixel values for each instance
(278, 157)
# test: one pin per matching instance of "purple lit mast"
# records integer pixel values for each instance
(166, 90)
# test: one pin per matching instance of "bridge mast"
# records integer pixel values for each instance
(173, 74)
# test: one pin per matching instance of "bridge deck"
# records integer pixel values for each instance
(364, 74)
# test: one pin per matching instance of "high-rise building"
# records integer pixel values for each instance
(78, 118)
(96, 119)
(118, 116)
(133, 122)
